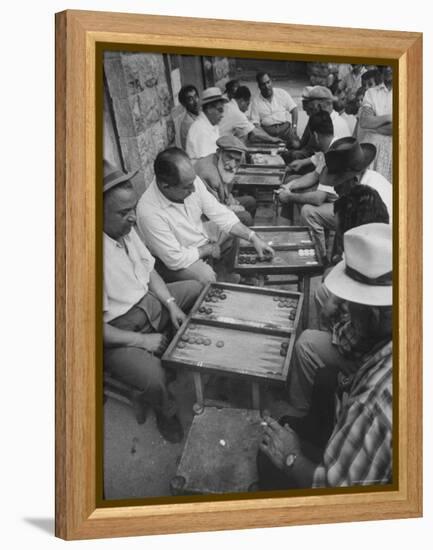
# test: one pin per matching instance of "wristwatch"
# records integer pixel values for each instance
(250, 236)
(290, 460)
(171, 299)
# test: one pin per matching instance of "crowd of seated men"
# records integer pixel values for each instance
(161, 248)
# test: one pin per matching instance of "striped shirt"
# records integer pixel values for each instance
(359, 451)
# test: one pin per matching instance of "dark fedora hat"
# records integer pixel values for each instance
(346, 156)
(114, 176)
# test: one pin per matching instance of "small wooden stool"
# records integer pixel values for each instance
(220, 453)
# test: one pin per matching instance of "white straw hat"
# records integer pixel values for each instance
(365, 274)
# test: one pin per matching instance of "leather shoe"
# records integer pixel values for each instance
(170, 428)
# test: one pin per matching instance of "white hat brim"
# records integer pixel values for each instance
(346, 288)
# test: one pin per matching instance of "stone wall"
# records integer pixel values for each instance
(142, 106)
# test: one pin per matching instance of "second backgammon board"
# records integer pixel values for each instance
(270, 177)
(295, 252)
(240, 331)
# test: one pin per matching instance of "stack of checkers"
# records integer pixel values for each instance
(213, 295)
(284, 347)
(252, 259)
(187, 339)
(306, 252)
(288, 303)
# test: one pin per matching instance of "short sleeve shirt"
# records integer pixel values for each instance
(234, 121)
(274, 111)
(127, 268)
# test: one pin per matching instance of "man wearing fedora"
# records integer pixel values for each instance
(204, 132)
(275, 111)
(170, 219)
(346, 164)
(358, 450)
(139, 309)
(217, 172)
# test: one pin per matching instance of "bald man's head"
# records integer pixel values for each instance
(174, 174)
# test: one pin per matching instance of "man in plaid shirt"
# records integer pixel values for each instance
(359, 448)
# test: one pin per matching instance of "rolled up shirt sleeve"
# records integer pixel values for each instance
(163, 243)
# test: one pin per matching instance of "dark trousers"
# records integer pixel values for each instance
(314, 430)
(138, 367)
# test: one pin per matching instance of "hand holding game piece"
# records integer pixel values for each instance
(279, 441)
(177, 316)
(262, 248)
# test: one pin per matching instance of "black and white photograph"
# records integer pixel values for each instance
(247, 275)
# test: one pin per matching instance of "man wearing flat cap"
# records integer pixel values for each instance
(139, 309)
(217, 172)
(170, 219)
(320, 98)
(204, 131)
(358, 446)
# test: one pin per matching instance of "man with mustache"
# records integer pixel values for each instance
(138, 307)
(188, 98)
(275, 111)
(217, 172)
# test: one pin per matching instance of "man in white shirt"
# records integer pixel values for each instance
(204, 132)
(275, 110)
(139, 309)
(188, 98)
(236, 123)
(346, 165)
(170, 218)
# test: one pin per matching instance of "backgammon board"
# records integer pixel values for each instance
(295, 252)
(238, 330)
(249, 175)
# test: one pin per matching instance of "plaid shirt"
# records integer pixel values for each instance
(359, 451)
(347, 339)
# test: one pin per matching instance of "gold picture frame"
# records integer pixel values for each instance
(80, 38)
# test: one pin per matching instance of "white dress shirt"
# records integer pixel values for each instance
(275, 111)
(341, 129)
(374, 180)
(202, 137)
(234, 121)
(127, 268)
(174, 231)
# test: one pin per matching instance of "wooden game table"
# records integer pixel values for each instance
(238, 331)
(296, 253)
(256, 179)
